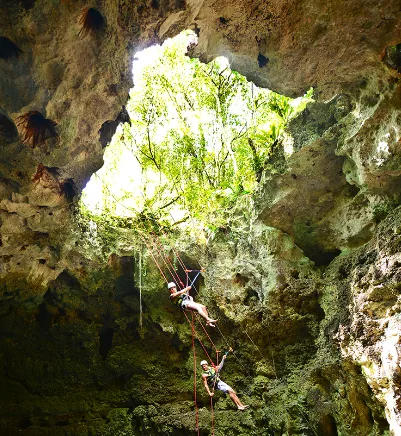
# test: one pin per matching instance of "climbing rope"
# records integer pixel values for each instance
(153, 246)
(197, 337)
(155, 261)
(214, 346)
(157, 250)
(194, 333)
(263, 357)
(167, 264)
(162, 253)
(175, 276)
(234, 354)
(194, 351)
(212, 413)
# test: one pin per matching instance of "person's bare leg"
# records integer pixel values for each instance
(196, 307)
(210, 320)
(199, 308)
(237, 401)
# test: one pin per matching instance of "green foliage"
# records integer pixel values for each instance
(119, 423)
(381, 210)
(200, 135)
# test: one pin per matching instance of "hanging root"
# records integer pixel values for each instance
(91, 20)
(36, 129)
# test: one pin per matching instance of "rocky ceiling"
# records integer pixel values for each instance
(320, 260)
(81, 80)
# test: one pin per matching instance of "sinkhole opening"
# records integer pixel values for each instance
(193, 140)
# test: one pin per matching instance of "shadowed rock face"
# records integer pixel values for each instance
(304, 278)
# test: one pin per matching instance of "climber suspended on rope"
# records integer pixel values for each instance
(184, 301)
(212, 381)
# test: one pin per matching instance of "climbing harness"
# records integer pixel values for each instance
(212, 377)
(181, 299)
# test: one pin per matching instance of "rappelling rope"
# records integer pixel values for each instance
(263, 357)
(154, 259)
(162, 253)
(194, 351)
(197, 337)
(166, 261)
(212, 412)
(160, 250)
(253, 343)
(180, 261)
(238, 360)
(194, 333)
(244, 368)
(227, 343)
(157, 246)
(193, 337)
(214, 346)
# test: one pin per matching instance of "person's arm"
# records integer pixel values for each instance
(183, 291)
(219, 367)
(204, 378)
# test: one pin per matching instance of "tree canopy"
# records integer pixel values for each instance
(199, 137)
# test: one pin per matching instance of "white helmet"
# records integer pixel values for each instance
(204, 362)
(171, 285)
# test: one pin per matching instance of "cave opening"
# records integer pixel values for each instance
(192, 140)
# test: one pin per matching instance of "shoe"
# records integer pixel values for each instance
(242, 407)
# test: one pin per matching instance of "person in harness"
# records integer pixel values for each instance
(184, 301)
(211, 380)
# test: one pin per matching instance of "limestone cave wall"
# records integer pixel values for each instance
(304, 278)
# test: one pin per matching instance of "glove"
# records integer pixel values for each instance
(230, 349)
